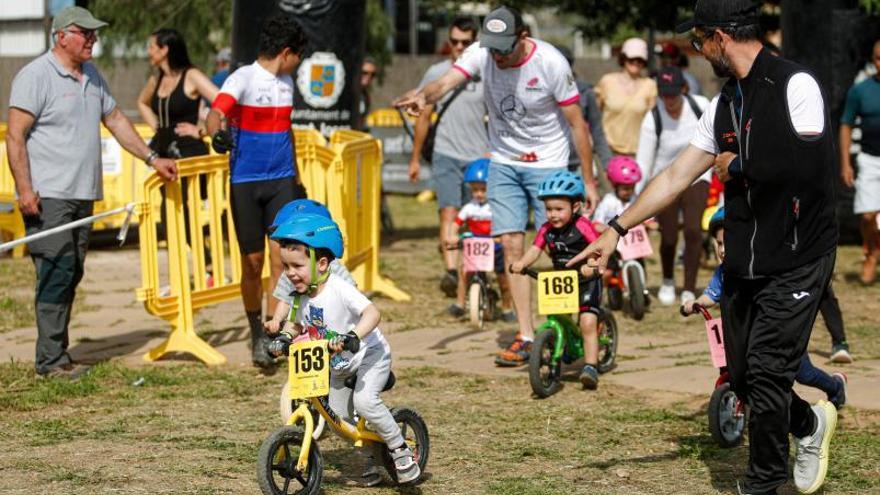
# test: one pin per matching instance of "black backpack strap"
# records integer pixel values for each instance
(658, 124)
(693, 103)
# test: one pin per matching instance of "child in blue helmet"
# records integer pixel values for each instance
(284, 287)
(567, 232)
(324, 302)
(477, 216)
(833, 385)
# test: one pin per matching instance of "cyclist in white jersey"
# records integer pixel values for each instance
(533, 108)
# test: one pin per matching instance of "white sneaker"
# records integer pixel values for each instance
(666, 294)
(811, 452)
(686, 296)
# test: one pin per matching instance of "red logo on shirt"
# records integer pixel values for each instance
(528, 157)
(728, 137)
(533, 82)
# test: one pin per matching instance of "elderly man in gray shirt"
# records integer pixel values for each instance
(56, 106)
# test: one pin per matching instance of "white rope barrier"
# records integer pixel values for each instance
(129, 209)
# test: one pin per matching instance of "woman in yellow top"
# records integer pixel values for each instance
(625, 97)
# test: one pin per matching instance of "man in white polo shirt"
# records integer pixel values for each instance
(533, 108)
(56, 107)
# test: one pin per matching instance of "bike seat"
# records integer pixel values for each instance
(351, 382)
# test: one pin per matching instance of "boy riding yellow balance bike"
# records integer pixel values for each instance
(336, 386)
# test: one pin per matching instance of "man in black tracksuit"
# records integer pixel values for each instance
(768, 137)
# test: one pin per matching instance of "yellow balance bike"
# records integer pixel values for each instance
(289, 461)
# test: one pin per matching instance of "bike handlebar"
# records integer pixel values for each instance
(531, 272)
(698, 308)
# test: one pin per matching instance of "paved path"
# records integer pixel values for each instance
(112, 325)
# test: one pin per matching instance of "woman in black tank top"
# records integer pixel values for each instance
(169, 102)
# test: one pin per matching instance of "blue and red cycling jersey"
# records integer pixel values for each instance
(257, 105)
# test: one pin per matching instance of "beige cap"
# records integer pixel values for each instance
(635, 48)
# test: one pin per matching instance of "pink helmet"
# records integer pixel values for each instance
(623, 170)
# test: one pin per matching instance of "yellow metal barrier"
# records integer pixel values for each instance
(186, 267)
(390, 117)
(359, 170)
(11, 223)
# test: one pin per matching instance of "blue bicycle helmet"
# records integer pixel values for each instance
(299, 207)
(477, 171)
(562, 184)
(716, 222)
(312, 230)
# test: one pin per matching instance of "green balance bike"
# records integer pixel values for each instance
(559, 342)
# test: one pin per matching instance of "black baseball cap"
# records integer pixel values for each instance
(500, 29)
(721, 14)
(670, 81)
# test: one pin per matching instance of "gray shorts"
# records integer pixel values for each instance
(867, 184)
(447, 180)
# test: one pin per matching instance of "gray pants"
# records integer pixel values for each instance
(372, 374)
(59, 261)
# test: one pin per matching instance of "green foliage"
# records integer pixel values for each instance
(379, 30)
(205, 25)
(871, 6)
(605, 18)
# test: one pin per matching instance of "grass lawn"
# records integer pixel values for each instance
(187, 429)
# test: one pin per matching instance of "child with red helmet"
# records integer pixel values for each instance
(623, 173)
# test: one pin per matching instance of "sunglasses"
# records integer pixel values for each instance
(368, 73)
(504, 53)
(699, 40)
(87, 34)
(636, 61)
(465, 43)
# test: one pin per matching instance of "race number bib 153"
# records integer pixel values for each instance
(635, 244)
(478, 254)
(558, 293)
(716, 342)
(309, 364)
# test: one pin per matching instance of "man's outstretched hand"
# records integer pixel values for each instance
(413, 102)
(597, 253)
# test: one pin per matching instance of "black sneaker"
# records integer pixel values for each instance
(449, 283)
(455, 310)
(69, 371)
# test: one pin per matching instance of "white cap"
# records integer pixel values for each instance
(635, 48)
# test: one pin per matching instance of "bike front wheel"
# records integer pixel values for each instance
(276, 465)
(636, 292)
(726, 420)
(476, 301)
(544, 374)
(286, 407)
(415, 434)
(607, 342)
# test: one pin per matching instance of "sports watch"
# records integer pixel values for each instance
(617, 227)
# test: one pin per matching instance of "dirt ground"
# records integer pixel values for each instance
(193, 430)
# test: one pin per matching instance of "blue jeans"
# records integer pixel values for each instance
(512, 189)
(812, 376)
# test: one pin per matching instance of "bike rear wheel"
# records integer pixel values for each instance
(607, 342)
(276, 465)
(544, 376)
(286, 407)
(726, 420)
(415, 434)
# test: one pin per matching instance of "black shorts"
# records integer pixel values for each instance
(254, 206)
(590, 295)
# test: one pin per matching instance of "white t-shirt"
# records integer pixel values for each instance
(805, 107)
(526, 125)
(338, 307)
(674, 138)
(610, 207)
